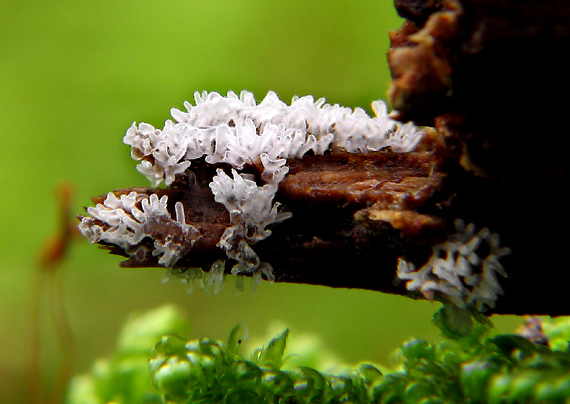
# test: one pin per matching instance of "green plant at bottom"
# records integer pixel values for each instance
(208, 371)
(466, 366)
(123, 377)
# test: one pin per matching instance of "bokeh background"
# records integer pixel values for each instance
(74, 74)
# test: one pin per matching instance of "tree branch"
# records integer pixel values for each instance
(472, 70)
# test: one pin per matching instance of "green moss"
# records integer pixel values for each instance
(466, 366)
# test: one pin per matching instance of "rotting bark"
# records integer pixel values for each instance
(477, 71)
(490, 75)
(353, 216)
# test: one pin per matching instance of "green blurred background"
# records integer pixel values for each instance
(75, 74)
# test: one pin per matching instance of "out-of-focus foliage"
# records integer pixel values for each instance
(558, 331)
(466, 366)
(123, 377)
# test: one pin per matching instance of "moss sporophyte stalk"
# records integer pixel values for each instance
(466, 366)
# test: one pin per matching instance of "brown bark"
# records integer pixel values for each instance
(353, 216)
(499, 102)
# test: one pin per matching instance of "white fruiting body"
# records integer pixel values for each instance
(126, 220)
(237, 131)
(251, 210)
(457, 272)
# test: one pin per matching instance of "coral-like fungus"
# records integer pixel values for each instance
(125, 221)
(457, 269)
(236, 133)
(251, 210)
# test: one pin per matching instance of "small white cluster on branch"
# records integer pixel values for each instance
(126, 220)
(237, 131)
(456, 270)
(251, 210)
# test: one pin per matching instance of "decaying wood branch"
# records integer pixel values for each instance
(353, 215)
(480, 72)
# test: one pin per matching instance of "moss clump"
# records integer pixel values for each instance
(466, 366)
